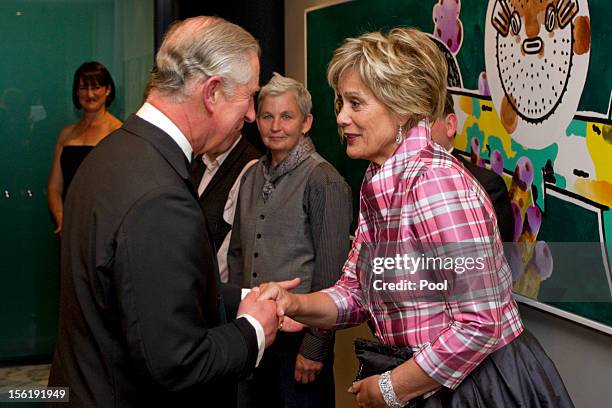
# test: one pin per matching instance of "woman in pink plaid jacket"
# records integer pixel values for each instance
(427, 267)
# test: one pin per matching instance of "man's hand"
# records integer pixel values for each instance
(367, 393)
(306, 370)
(263, 311)
(278, 291)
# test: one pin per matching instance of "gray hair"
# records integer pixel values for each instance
(198, 48)
(279, 85)
(403, 68)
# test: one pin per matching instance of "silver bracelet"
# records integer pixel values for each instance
(386, 388)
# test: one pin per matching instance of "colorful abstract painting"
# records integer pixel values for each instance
(532, 88)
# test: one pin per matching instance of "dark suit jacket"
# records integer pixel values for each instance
(214, 196)
(496, 188)
(141, 316)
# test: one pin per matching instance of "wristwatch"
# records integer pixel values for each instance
(386, 388)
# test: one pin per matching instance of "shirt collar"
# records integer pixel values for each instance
(220, 158)
(382, 180)
(157, 118)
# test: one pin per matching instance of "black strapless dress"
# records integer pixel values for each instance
(70, 160)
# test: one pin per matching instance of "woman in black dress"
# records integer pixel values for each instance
(93, 90)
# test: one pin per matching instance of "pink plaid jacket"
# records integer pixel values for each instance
(422, 194)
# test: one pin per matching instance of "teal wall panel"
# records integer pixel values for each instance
(41, 45)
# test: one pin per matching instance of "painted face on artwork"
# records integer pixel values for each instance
(281, 124)
(92, 96)
(534, 54)
(535, 49)
(368, 125)
(537, 57)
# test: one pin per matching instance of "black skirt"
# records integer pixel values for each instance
(519, 374)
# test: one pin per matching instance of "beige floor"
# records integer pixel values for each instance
(30, 376)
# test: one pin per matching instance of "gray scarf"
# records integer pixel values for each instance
(271, 173)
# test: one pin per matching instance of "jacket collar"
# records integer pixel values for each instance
(166, 146)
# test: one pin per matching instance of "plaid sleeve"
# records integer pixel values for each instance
(347, 293)
(449, 208)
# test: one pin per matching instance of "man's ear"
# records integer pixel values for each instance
(211, 92)
(451, 125)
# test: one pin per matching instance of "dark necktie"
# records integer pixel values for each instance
(197, 170)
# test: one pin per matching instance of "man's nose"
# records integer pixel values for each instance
(250, 115)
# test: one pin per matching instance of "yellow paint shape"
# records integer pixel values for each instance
(465, 104)
(600, 151)
(488, 122)
(598, 191)
(461, 140)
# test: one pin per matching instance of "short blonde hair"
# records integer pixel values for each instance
(279, 85)
(404, 69)
(199, 48)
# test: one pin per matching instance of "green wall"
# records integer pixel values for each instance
(41, 45)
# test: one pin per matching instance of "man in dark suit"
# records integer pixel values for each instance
(219, 186)
(443, 132)
(144, 320)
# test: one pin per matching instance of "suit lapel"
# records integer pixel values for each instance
(167, 147)
(164, 144)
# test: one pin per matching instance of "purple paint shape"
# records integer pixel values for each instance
(533, 219)
(448, 27)
(483, 84)
(518, 221)
(475, 151)
(515, 261)
(497, 162)
(543, 260)
(524, 173)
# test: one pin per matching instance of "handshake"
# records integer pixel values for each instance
(270, 303)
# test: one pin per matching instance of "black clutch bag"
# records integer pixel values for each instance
(376, 358)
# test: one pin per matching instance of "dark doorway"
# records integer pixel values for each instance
(262, 18)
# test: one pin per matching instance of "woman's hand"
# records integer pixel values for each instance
(288, 325)
(279, 292)
(306, 370)
(367, 393)
(58, 221)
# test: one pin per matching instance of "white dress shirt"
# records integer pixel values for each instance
(156, 117)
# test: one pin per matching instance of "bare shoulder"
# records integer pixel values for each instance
(65, 134)
(113, 123)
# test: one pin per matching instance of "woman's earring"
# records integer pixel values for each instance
(400, 135)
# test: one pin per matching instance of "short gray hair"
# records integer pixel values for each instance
(279, 85)
(198, 48)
